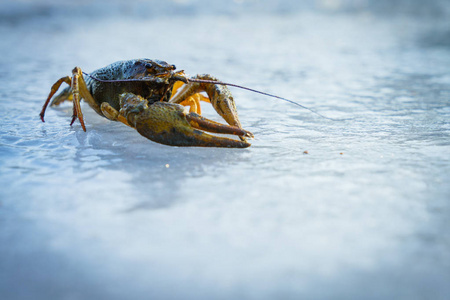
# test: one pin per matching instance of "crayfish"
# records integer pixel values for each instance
(150, 96)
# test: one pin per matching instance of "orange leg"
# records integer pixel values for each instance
(76, 99)
(79, 91)
(193, 101)
(218, 95)
(53, 90)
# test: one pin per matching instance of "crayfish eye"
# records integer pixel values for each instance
(173, 67)
(148, 66)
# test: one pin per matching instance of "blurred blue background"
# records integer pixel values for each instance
(356, 208)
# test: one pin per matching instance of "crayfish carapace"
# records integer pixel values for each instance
(150, 96)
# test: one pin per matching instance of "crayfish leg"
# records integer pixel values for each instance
(193, 101)
(53, 90)
(78, 90)
(77, 113)
(64, 95)
(219, 96)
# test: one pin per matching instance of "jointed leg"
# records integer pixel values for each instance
(53, 90)
(64, 95)
(79, 91)
(84, 91)
(219, 96)
(189, 98)
(77, 113)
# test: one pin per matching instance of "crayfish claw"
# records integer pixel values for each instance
(199, 122)
(171, 124)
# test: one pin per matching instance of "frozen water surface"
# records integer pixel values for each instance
(107, 214)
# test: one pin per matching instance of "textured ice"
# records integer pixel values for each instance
(107, 214)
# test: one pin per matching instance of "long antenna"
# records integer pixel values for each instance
(259, 92)
(221, 83)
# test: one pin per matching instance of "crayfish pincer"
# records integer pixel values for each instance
(150, 96)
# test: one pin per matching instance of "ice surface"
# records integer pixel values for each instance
(107, 214)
